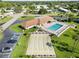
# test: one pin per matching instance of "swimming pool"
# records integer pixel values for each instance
(55, 27)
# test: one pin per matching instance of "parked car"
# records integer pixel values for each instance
(0, 50)
(6, 49)
(12, 41)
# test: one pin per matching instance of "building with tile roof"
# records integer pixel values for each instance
(36, 21)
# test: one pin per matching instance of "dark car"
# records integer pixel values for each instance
(0, 49)
(11, 41)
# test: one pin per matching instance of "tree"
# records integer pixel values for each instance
(42, 10)
(50, 5)
(2, 11)
(6, 4)
(69, 16)
(78, 14)
(32, 8)
(27, 11)
(18, 9)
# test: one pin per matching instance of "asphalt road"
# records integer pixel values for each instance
(8, 35)
(10, 22)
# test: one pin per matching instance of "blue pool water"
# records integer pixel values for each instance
(55, 27)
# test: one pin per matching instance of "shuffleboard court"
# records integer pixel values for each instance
(39, 45)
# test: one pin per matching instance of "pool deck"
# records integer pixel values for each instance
(56, 32)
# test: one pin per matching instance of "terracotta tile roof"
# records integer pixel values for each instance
(36, 21)
(30, 23)
(45, 19)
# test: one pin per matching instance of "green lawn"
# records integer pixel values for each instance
(63, 44)
(5, 19)
(20, 49)
(1, 35)
(15, 28)
(26, 17)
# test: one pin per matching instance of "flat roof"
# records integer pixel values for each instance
(37, 45)
(64, 9)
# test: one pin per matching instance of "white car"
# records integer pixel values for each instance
(6, 49)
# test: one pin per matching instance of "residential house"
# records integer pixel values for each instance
(64, 10)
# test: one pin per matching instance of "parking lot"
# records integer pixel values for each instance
(7, 44)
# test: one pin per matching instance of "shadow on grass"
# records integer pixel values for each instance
(21, 27)
(75, 30)
(66, 35)
(54, 41)
(63, 48)
(59, 43)
(25, 56)
(63, 44)
(76, 56)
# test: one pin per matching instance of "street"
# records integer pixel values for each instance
(7, 24)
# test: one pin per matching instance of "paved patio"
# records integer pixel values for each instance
(38, 47)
